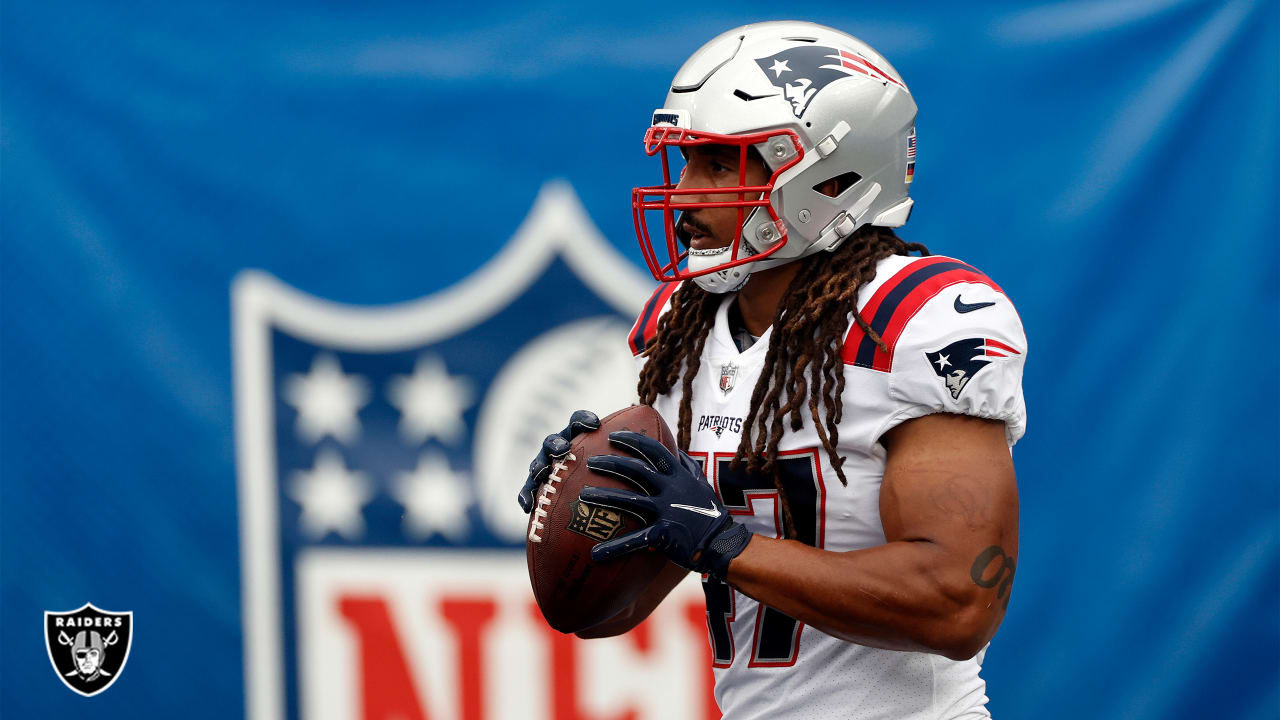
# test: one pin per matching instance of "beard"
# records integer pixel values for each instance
(686, 225)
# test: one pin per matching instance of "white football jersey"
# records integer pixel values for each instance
(956, 345)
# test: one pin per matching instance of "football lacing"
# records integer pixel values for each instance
(544, 497)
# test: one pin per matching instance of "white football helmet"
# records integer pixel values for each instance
(816, 104)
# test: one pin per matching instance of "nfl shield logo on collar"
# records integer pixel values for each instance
(728, 375)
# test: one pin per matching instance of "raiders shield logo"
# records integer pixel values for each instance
(88, 647)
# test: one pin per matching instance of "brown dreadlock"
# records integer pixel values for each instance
(807, 345)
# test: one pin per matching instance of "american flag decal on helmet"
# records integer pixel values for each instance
(911, 155)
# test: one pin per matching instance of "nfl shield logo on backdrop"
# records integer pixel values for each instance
(88, 647)
(380, 453)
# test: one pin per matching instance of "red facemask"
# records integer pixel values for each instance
(658, 197)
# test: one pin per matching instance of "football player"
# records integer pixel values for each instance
(846, 403)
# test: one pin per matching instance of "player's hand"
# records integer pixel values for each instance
(687, 522)
(555, 447)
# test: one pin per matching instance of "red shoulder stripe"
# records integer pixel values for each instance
(856, 336)
(897, 301)
(646, 325)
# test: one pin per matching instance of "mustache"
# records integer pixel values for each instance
(686, 226)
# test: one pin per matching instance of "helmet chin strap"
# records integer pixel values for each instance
(725, 281)
(733, 279)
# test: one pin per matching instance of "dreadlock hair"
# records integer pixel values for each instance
(808, 332)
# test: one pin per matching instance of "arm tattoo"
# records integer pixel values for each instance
(984, 577)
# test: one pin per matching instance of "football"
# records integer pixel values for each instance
(573, 592)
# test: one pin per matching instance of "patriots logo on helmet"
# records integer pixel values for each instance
(958, 362)
(802, 72)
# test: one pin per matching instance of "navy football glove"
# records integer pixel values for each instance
(555, 447)
(687, 522)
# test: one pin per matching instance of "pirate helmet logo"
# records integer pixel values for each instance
(88, 647)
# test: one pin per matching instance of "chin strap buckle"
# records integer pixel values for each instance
(841, 227)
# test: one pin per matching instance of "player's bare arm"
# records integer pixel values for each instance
(825, 381)
(949, 506)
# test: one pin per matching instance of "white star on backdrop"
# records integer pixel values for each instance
(943, 361)
(435, 499)
(779, 66)
(327, 400)
(431, 401)
(331, 496)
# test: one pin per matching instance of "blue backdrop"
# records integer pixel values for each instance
(1112, 164)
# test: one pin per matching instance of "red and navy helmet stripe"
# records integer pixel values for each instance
(898, 300)
(647, 324)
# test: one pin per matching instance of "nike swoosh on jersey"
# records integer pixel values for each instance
(709, 512)
(964, 307)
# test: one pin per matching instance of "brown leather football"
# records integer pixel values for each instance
(573, 592)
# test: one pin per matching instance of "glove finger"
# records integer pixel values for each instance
(620, 546)
(555, 446)
(526, 495)
(629, 469)
(693, 466)
(537, 465)
(620, 499)
(581, 421)
(538, 471)
(643, 446)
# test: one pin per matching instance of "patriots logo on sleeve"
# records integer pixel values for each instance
(958, 362)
